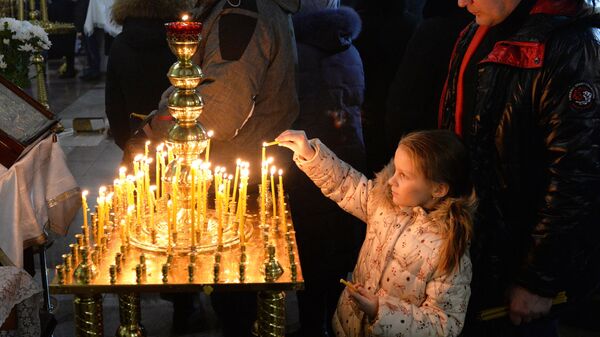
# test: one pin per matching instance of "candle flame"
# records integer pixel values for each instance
(273, 169)
(152, 188)
(122, 169)
(85, 193)
(148, 142)
(184, 17)
(138, 157)
(210, 133)
(280, 172)
(102, 189)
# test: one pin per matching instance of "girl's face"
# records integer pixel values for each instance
(409, 186)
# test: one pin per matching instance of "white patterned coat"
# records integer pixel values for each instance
(398, 259)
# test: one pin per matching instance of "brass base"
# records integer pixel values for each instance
(130, 315)
(271, 314)
(88, 316)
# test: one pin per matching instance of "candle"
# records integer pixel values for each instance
(273, 193)
(235, 180)
(158, 174)
(193, 202)
(151, 206)
(270, 143)
(100, 203)
(281, 201)
(169, 222)
(227, 189)
(163, 169)
(146, 148)
(84, 208)
(207, 153)
(183, 28)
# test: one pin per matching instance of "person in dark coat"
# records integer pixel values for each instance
(414, 96)
(330, 92)
(523, 93)
(138, 62)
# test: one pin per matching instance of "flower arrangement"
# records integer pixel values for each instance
(19, 40)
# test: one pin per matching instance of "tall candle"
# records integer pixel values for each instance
(169, 221)
(151, 206)
(273, 201)
(238, 163)
(146, 148)
(158, 174)
(282, 219)
(193, 203)
(84, 208)
(207, 153)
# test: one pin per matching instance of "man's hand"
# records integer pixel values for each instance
(297, 142)
(366, 301)
(526, 306)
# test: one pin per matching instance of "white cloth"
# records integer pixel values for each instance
(99, 16)
(18, 289)
(37, 189)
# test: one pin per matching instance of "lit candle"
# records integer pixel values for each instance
(163, 169)
(281, 201)
(207, 153)
(151, 206)
(273, 193)
(235, 180)
(158, 174)
(84, 208)
(169, 221)
(193, 202)
(183, 28)
(146, 148)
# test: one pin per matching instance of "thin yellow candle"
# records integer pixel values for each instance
(136, 164)
(163, 169)
(238, 163)
(122, 171)
(130, 187)
(281, 201)
(151, 206)
(271, 143)
(207, 151)
(227, 189)
(273, 201)
(84, 207)
(146, 148)
(170, 155)
(193, 202)
(169, 221)
(100, 203)
(157, 169)
(130, 210)
(220, 215)
(138, 197)
(103, 216)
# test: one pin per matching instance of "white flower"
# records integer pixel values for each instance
(26, 47)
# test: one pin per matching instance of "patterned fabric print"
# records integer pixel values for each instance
(398, 260)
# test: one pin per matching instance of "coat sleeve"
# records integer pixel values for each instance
(116, 107)
(337, 180)
(569, 115)
(238, 54)
(441, 314)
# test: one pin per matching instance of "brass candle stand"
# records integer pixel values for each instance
(168, 237)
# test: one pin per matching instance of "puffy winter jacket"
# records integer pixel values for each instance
(398, 260)
(535, 150)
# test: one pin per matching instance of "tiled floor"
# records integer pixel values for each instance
(95, 165)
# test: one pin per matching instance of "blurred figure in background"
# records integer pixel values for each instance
(330, 92)
(414, 95)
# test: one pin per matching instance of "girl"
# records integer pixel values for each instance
(413, 273)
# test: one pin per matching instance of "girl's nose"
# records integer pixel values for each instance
(391, 181)
(463, 3)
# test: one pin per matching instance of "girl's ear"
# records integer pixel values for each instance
(440, 190)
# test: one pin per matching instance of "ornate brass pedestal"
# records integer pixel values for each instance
(88, 315)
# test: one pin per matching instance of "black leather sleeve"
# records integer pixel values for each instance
(566, 97)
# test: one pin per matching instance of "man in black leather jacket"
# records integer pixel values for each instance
(522, 92)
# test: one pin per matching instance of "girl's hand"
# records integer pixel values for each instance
(366, 301)
(297, 142)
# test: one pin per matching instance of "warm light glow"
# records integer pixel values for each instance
(85, 193)
(184, 17)
(152, 188)
(280, 172)
(138, 157)
(210, 133)
(273, 170)
(122, 169)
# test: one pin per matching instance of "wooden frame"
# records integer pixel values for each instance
(23, 122)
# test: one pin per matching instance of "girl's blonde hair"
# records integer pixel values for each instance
(443, 158)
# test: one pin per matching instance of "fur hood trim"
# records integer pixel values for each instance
(382, 194)
(151, 9)
(328, 29)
